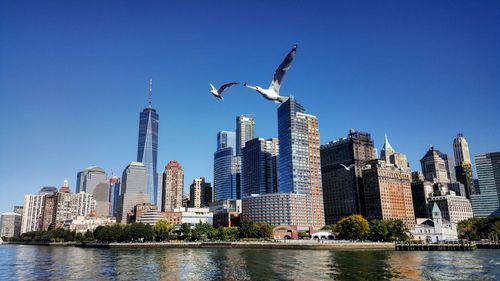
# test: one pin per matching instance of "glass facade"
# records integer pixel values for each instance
(245, 131)
(487, 203)
(259, 167)
(147, 150)
(226, 139)
(226, 174)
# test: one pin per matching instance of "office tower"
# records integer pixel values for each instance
(49, 211)
(389, 155)
(147, 148)
(93, 180)
(114, 194)
(245, 131)
(10, 224)
(453, 208)
(421, 191)
(226, 139)
(487, 202)
(436, 166)
(299, 168)
(461, 149)
(259, 174)
(47, 190)
(134, 189)
(173, 186)
(226, 168)
(32, 213)
(84, 202)
(342, 188)
(387, 192)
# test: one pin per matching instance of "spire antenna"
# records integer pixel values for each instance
(150, 91)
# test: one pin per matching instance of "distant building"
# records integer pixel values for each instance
(94, 180)
(173, 186)
(465, 176)
(487, 202)
(174, 218)
(114, 194)
(259, 166)
(437, 167)
(342, 188)
(19, 209)
(421, 191)
(195, 193)
(10, 224)
(434, 230)
(147, 147)
(226, 168)
(278, 209)
(82, 224)
(195, 215)
(389, 155)
(134, 189)
(146, 213)
(245, 131)
(461, 150)
(453, 208)
(387, 192)
(49, 211)
(226, 213)
(299, 168)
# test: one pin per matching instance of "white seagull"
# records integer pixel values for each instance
(347, 168)
(273, 92)
(218, 93)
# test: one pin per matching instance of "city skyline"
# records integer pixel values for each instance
(88, 116)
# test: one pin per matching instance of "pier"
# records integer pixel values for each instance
(457, 246)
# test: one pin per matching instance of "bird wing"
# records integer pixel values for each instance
(225, 86)
(350, 166)
(282, 69)
(345, 167)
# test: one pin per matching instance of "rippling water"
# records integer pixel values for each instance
(70, 263)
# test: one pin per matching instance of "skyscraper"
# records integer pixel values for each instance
(173, 186)
(390, 156)
(32, 213)
(94, 180)
(10, 224)
(226, 168)
(342, 188)
(299, 168)
(436, 166)
(461, 149)
(465, 176)
(114, 192)
(245, 131)
(134, 189)
(195, 193)
(487, 203)
(259, 173)
(147, 148)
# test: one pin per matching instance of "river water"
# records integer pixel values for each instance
(71, 263)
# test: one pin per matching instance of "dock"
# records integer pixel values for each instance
(460, 246)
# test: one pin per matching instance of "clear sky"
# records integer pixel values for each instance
(74, 77)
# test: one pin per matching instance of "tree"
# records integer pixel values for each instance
(397, 230)
(353, 227)
(378, 230)
(163, 230)
(203, 231)
(185, 231)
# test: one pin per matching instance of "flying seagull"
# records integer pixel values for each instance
(347, 168)
(218, 93)
(273, 92)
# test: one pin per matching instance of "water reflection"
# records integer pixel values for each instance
(70, 263)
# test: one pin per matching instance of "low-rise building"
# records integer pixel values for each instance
(453, 208)
(81, 224)
(226, 212)
(434, 230)
(195, 215)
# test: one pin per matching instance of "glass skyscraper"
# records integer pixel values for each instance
(226, 167)
(299, 168)
(147, 148)
(259, 167)
(487, 203)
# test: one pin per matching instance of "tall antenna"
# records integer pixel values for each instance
(150, 91)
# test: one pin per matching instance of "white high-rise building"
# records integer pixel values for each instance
(32, 213)
(245, 131)
(461, 150)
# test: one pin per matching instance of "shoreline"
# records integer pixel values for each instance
(302, 245)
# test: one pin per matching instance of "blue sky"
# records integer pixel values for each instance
(74, 77)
